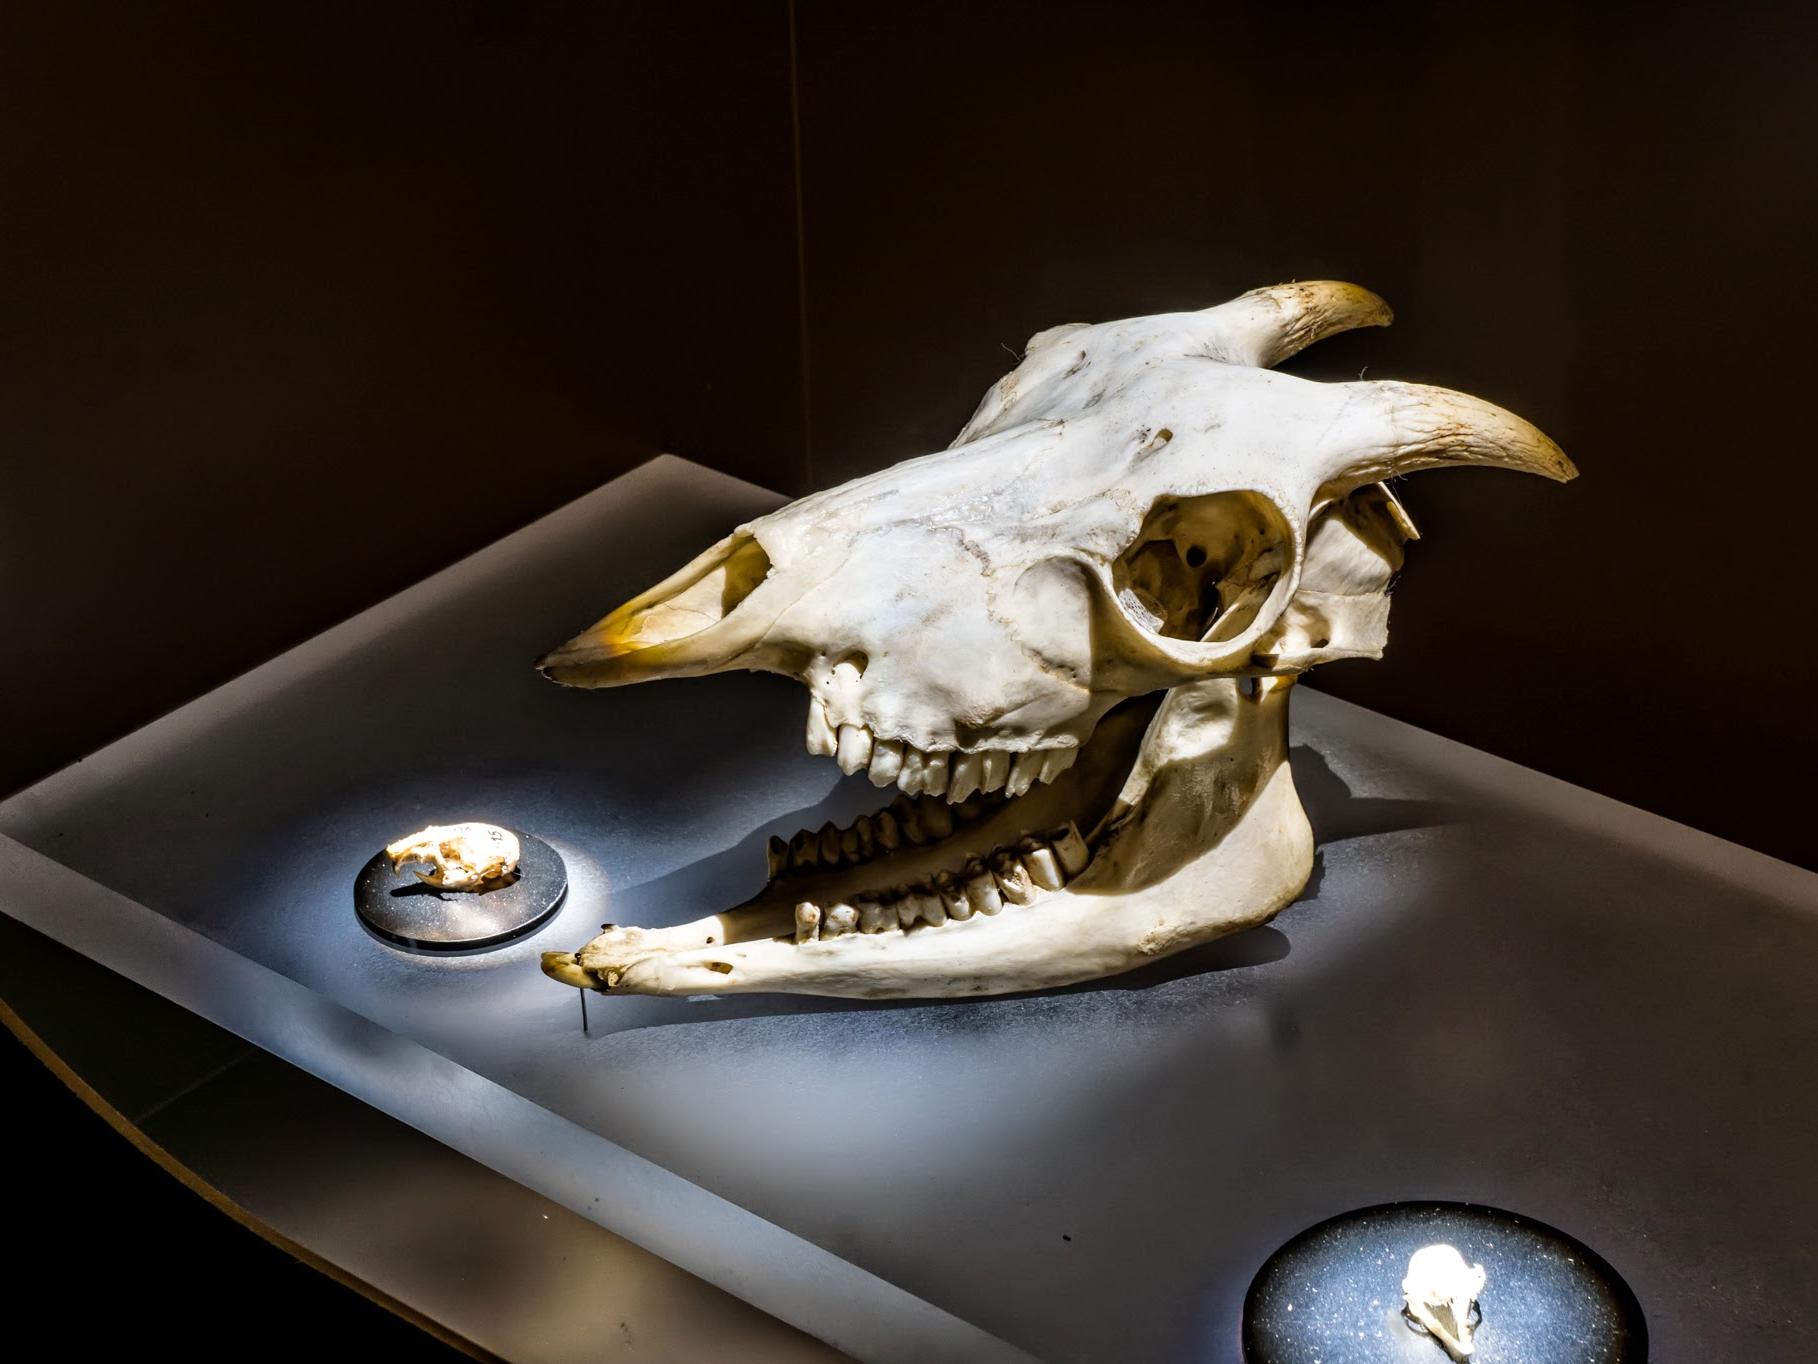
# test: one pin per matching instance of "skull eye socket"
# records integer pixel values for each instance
(1202, 567)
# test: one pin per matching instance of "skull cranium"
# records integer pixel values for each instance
(1069, 640)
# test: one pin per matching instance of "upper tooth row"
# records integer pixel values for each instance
(983, 886)
(915, 822)
(941, 772)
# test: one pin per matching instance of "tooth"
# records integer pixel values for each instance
(929, 906)
(996, 768)
(849, 845)
(1013, 881)
(855, 749)
(1071, 849)
(822, 741)
(908, 816)
(981, 889)
(807, 921)
(886, 761)
(805, 849)
(908, 910)
(1056, 761)
(830, 845)
(839, 921)
(883, 825)
(967, 769)
(875, 917)
(866, 840)
(910, 778)
(969, 809)
(953, 897)
(934, 773)
(934, 816)
(776, 853)
(1043, 866)
(1023, 772)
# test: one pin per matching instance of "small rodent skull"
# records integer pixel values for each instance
(1440, 1288)
(457, 856)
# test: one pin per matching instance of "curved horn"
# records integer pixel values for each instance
(1392, 428)
(1266, 326)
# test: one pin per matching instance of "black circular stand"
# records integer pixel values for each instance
(411, 913)
(1334, 1293)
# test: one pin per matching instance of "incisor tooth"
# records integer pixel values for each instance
(1023, 772)
(1013, 880)
(886, 761)
(807, 921)
(996, 768)
(805, 849)
(822, 741)
(1042, 865)
(1056, 761)
(830, 845)
(776, 854)
(838, 921)
(981, 889)
(1071, 849)
(854, 753)
(968, 768)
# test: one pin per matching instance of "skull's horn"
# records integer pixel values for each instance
(686, 625)
(1266, 326)
(1396, 428)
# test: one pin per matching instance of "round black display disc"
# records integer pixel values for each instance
(1334, 1292)
(411, 913)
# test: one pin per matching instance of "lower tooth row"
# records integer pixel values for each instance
(983, 886)
(940, 772)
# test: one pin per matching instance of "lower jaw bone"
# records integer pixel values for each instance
(1207, 837)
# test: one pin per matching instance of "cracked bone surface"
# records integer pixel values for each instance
(1440, 1289)
(1068, 643)
(457, 856)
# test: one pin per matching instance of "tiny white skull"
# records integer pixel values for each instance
(457, 856)
(1440, 1288)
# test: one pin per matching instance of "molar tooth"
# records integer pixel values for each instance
(908, 910)
(875, 917)
(1042, 865)
(849, 845)
(968, 768)
(934, 816)
(910, 778)
(1023, 772)
(928, 905)
(867, 841)
(1071, 849)
(822, 741)
(969, 809)
(908, 816)
(839, 921)
(886, 761)
(807, 921)
(776, 854)
(981, 889)
(884, 827)
(1013, 880)
(996, 768)
(805, 849)
(953, 897)
(1056, 761)
(830, 845)
(854, 753)
(934, 773)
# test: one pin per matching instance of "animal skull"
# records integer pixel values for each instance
(1439, 1289)
(1069, 641)
(457, 856)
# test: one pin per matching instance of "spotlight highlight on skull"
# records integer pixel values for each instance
(1069, 642)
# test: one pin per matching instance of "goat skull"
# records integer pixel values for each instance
(1069, 640)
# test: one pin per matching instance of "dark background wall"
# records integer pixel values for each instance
(304, 301)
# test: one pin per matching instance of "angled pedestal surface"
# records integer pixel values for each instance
(1498, 988)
